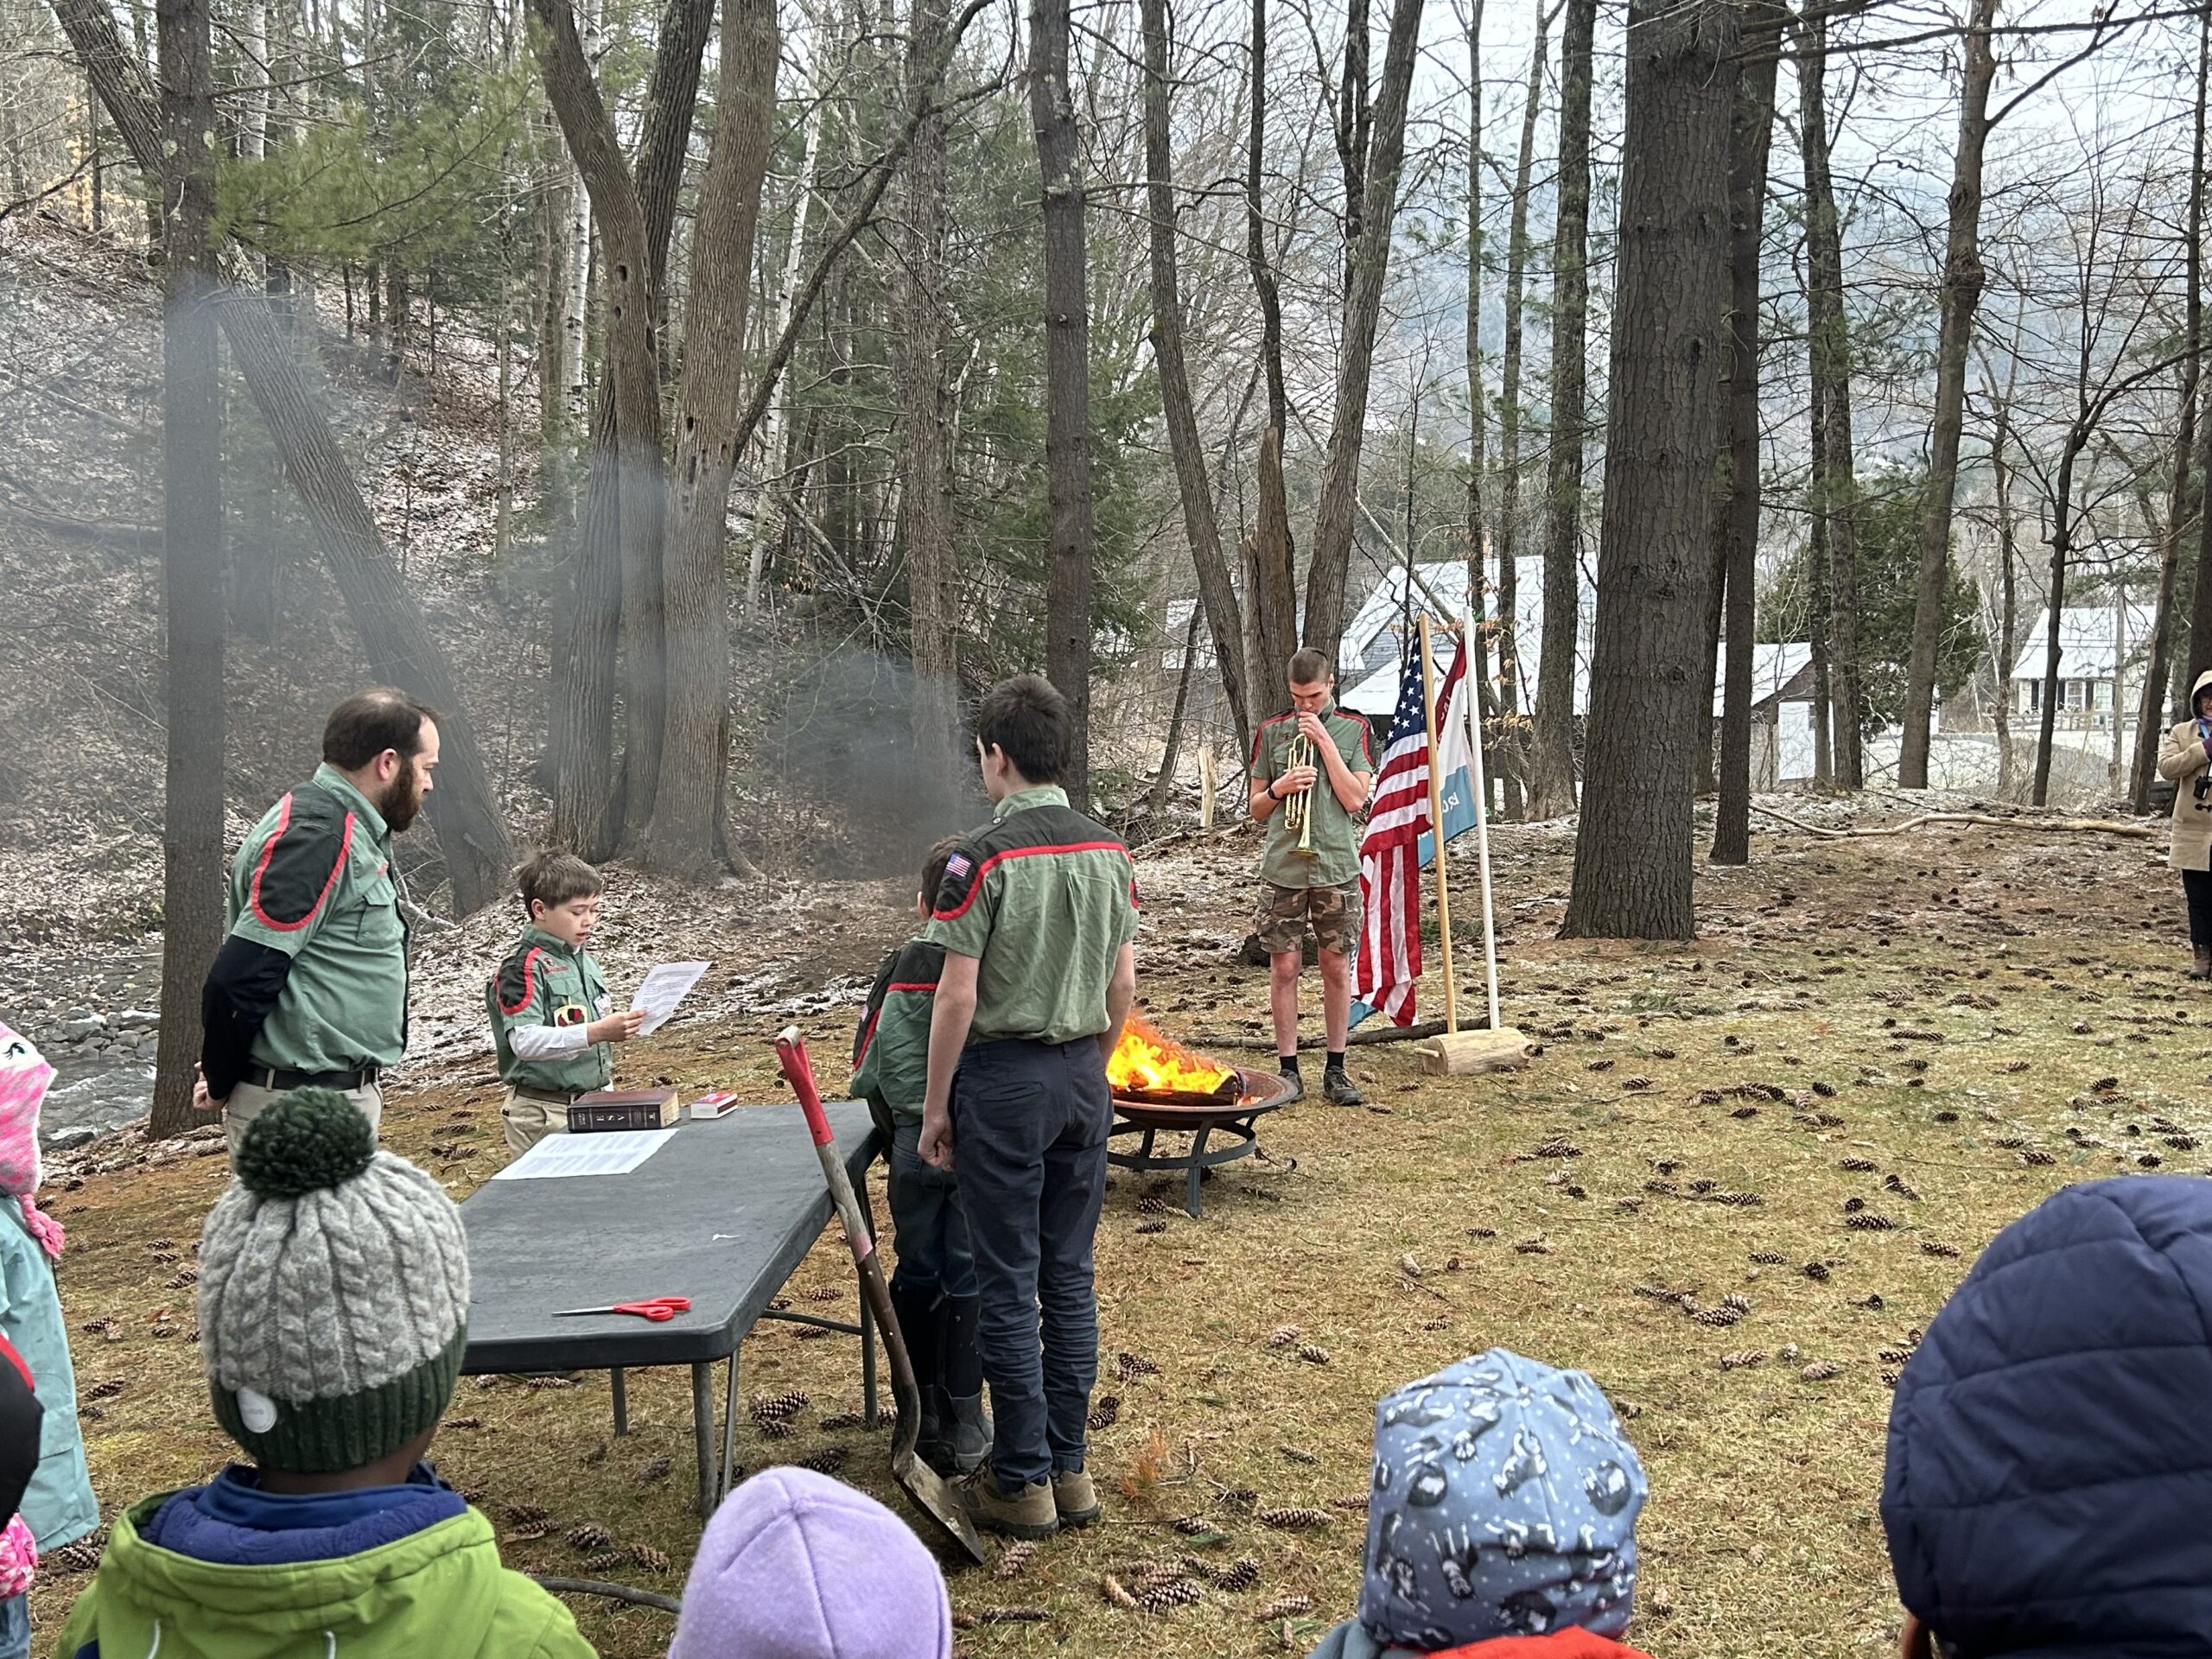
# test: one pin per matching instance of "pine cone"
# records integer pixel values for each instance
(605, 1560)
(597, 1455)
(1147, 1229)
(651, 1560)
(1557, 1147)
(1292, 1519)
(1012, 1616)
(1741, 1112)
(1894, 1356)
(1149, 1205)
(1191, 1525)
(1283, 1336)
(82, 1556)
(1597, 1066)
(1105, 1411)
(1857, 1166)
(1769, 1259)
(1867, 1220)
(1743, 1359)
(1664, 1189)
(1111, 1588)
(1165, 1595)
(1816, 1271)
(1129, 1366)
(552, 1382)
(1853, 1205)
(1635, 1083)
(1441, 1322)
(529, 1515)
(1890, 1378)
(2182, 1142)
(1286, 1607)
(1872, 1299)
(842, 1419)
(823, 1293)
(2036, 1157)
(1532, 1247)
(773, 1429)
(1891, 1183)
(1703, 1185)
(1354, 1503)
(2010, 1142)
(1313, 1354)
(1737, 1300)
(1240, 1574)
(590, 1535)
(1240, 1498)
(824, 1459)
(461, 1422)
(1298, 1454)
(1820, 1370)
(1014, 1559)
(1825, 1090)
(1720, 1317)
(659, 1469)
(1930, 1247)
(107, 1389)
(782, 1407)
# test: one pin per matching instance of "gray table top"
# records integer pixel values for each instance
(723, 1214)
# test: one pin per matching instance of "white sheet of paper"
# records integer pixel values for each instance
(665, 985)
(616, 1152)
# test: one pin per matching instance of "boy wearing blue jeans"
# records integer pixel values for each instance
(1037, 917)
(933, 1287)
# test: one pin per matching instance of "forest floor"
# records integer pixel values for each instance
(1939, 1027)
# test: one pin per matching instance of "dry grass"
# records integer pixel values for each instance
(1955, 993)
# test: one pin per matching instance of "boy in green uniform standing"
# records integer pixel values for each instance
(1317, 881)
(933, 1287)
(1037, 916)
(548, 1003)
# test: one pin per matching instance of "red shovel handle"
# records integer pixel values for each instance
(798, 1071)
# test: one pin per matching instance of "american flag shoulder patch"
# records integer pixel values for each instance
(957, 865)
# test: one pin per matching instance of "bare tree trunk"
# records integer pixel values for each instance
(687, 818)
(2148, 726)
(1509, 432)
(1963, 280)
(1551, 779)
(1633, 857)
(1835, 488)
(1216, 587)
(1478, 399)
(1165, 779)
(1370, 261)
(2008, 606)
(555, 464)
(1751, 130)
(925, 194)
(1271, 579)
(1071, 549)
(192, 561)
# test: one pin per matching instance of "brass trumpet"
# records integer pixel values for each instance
(1298, 809)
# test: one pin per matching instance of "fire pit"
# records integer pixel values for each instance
(1160, 1085)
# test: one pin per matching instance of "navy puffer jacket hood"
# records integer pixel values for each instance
(2048, 1486)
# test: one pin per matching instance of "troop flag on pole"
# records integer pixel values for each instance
(1389, 861)
(1455, 757)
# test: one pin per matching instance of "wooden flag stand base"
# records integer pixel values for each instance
(1496, 1048)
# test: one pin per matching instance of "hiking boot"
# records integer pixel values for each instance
(1297, 1087)
(2202, 968)
(1074, 1498)
(1337, 1088)
(1028, 1513)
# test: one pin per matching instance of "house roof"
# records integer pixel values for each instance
(2086, 645)
(1367, 660)
(1773, 666)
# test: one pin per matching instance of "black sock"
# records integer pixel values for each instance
(1287, 1064)
(1335, 1059)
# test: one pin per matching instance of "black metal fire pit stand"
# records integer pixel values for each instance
(1235, 1121)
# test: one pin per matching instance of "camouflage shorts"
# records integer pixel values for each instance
(1284, 913)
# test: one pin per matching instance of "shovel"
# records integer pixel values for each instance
(921, 1483)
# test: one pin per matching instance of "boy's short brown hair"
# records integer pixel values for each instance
(933, 864)
(1308, 667)
(554, 879)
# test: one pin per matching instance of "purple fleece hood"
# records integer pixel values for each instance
(797, 1566)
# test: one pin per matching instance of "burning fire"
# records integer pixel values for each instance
(1145, 1060)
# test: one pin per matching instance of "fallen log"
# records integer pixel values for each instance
(2067, 826)
(611, 1592)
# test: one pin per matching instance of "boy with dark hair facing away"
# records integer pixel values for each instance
(333, 1313)
(933, 1287)
(1036, 916)
(550, 1024)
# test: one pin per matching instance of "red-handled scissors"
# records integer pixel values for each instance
(658, 1309)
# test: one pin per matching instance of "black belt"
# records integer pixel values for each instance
(543, 1096)
(265, 1077)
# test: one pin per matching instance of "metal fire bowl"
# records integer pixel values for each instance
(1259, 1092)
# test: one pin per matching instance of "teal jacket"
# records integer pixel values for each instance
(58, 1506)
(440, 1592)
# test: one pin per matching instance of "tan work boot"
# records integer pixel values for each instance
(1030, 1513)
(1074, 1498)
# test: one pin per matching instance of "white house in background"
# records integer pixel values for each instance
(1367, 660)
(1781, 712)
(2102, 652)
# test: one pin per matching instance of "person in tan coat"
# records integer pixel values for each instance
(2187, 759)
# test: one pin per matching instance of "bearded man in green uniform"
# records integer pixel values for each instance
(309, 989)
(1319, 755)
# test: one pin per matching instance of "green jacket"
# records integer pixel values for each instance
(545, 983)
(891, 1052)
(438, 1592)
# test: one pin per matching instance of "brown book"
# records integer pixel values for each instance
(606, 1110)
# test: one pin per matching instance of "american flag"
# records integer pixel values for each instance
(1390, 860)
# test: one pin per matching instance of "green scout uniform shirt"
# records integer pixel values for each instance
(891, 1052)
(314, 880)
(1044, 899)
(1335, 858)
(545, 982)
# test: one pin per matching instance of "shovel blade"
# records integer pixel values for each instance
(936, 1499)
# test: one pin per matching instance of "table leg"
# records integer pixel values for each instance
(702, 1430)
(726, 1476)
(621, 1401)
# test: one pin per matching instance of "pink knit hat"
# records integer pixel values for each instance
(24, 1077)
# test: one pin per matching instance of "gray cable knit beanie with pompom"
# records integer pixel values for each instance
(333, 1291)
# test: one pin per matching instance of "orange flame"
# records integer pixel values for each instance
(1144, 1060)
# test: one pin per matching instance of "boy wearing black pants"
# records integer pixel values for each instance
(1037, 916)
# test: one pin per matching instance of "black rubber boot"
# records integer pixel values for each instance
(2201, 967)
(970, 1429)
(920, 1312)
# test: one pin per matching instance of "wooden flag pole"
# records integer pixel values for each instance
(1436, 830)
(1467, 702)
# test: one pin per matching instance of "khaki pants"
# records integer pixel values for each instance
(248, 1100)
(529, 1120)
